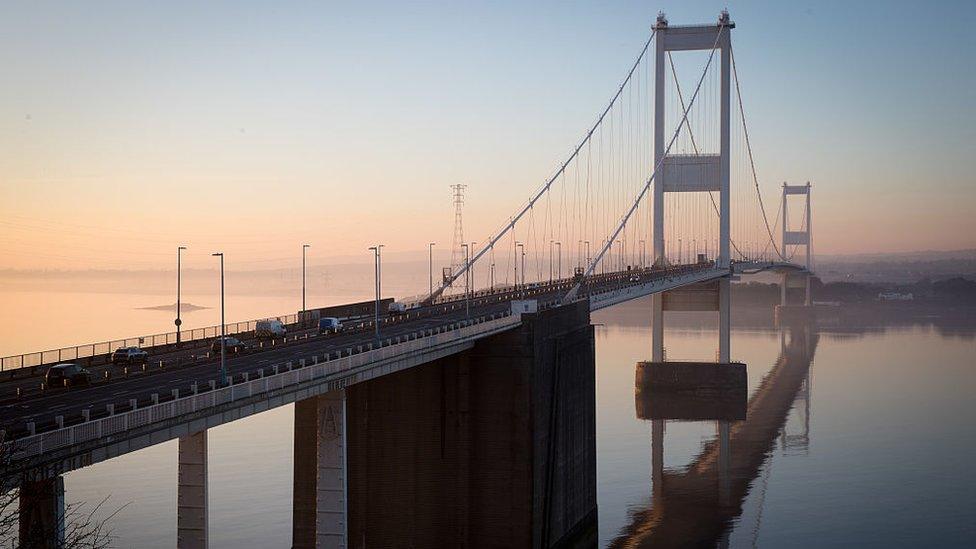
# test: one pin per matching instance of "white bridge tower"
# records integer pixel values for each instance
(692, 173)
(794, 238)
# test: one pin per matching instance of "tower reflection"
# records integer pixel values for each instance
(696, 505)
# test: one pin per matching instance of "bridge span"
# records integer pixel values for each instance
(512, 364)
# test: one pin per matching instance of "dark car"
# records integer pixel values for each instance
(231, 345)
(129, 355)
(329, 325)
(67, 375)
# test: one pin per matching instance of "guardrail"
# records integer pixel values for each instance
(91, 350)
(314, 367)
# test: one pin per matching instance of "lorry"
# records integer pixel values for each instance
(269, 329)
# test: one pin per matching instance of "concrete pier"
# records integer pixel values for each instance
(662, 391)
(191, 494)
(703, 379)
(493, 447)
(319, 516)
(41, 513)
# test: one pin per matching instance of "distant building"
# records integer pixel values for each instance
(895, 296)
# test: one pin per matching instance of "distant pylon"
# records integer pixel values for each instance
(457, 253)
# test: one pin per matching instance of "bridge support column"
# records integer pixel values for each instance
(41, 513)
(724, 320)
(657, 327)
(191, 492)
(319, 498)
(790, 308)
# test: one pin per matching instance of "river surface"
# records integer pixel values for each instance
(876, 445)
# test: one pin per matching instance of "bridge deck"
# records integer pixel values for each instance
(58, 411)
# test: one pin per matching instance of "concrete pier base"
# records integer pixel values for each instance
(692, 378)
(41, 513)
(492, 447)
(319, 497)
(654, 400)
(191, 493)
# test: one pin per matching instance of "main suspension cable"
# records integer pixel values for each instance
(513, 220)
(571, 295)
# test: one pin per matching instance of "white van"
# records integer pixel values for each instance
(270, 328)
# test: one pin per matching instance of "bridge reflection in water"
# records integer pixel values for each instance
(695, 507)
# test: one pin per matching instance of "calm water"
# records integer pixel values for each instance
(877, 450)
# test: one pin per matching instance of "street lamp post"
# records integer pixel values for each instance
(643, 245)
(470, 268)
(551, 242)
(516, 262)
(223, 325)
(304, 247)
(491, 267)
(430, 267)
(523, 265)
(559, 259)
(467, 280)
(587, 242)
(178, 322)
(376, 307)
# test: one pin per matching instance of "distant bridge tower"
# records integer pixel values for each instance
(794, 238)
(457, 253)
(692, 173)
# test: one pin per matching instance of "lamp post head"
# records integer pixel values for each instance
(216, 254)
(181, 248)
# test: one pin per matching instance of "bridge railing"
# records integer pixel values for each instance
(91, 351)
(307, 369)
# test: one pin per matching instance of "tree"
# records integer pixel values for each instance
(33, 514)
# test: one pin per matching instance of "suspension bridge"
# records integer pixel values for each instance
(660, 197)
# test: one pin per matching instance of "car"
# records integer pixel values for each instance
(231, 345)
(329, 325)
(397, 307)
(67, 374)
(129, 355)
(269, 329)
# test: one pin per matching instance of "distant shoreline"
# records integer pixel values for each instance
(187, 307)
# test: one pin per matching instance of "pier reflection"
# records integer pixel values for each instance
(697, 505)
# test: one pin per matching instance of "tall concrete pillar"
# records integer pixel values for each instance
(724, 320)
(657, 327)
(41, 513)
(725, 199)
(659, 145)
(191, 493)
(319, 498)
